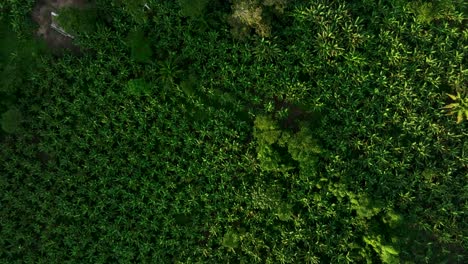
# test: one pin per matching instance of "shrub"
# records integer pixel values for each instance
(459, 107)
(140, 48)
(10, 120)
(78, 21)
(273, 144)
(138, 87)
(250, 14)
(192, 8)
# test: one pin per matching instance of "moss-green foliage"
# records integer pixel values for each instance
(78, 21)
(168, 141)
(138, 87)
(278, 150)
(19, 56)
(192, 8)
(139, 46)
(387, 253)
(231, 240)
(10, 120)
(427, 11)
(271, 145)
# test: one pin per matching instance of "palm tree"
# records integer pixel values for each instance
(168, 71)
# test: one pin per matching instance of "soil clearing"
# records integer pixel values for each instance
(42, 16)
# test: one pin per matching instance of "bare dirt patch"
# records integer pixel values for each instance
(42, 16)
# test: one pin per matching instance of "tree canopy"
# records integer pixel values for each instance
(243, 131)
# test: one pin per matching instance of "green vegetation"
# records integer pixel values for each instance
(18, 57)
(244, 131)
(460, 107)
(78, 21)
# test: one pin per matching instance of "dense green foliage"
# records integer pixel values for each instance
(18, 57)
(244, 131)
(75, 20)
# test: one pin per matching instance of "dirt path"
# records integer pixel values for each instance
(42, 16)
